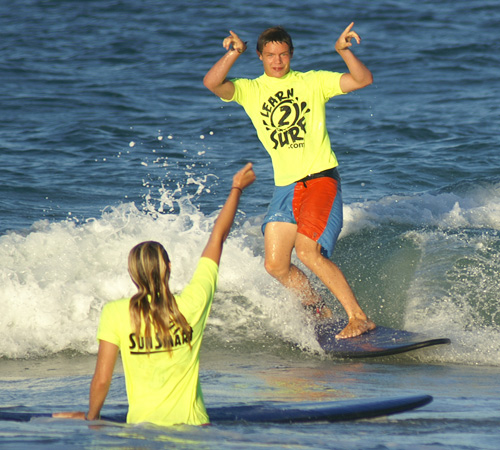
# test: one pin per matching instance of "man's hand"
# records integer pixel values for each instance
(344, 40)
(234, 42)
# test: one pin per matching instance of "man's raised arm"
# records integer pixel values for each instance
(215, 80)
(359, 75)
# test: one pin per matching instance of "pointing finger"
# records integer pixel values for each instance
(233, 34)
(348, 28)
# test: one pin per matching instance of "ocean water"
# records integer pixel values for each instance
(108, 138)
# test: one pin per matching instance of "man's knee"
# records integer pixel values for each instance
(308, 254)
(276, 269)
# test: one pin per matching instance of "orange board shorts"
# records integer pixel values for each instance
(314, 205)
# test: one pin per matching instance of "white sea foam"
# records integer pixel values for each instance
(477, 207)
(56, 277)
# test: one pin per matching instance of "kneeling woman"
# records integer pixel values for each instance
(158, 334)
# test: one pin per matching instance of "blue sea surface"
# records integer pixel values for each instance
(108, 138)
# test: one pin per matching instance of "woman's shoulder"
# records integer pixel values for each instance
(201, 288)
(117, 305)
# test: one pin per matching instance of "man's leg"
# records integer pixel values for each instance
(309, 253)
(279, 240)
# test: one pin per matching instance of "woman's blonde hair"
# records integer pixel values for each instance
(149, 268)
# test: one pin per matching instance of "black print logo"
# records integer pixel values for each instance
(138, 343)
(285, 119)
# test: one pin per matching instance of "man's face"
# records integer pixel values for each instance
(276, 58)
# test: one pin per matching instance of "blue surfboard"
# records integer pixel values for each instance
(271, 412)
(382, 341)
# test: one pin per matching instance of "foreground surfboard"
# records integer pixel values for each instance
(331, 411)
(382, 341)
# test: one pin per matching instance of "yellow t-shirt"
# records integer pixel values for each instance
(164, 389)
(288, 114)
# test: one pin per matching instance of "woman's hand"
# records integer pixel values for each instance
(79, 415)
(244, 177)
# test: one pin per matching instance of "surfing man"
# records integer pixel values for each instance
(287, 109)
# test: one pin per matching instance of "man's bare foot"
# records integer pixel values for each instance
(319, 310)
(325, 313)
(356, 327)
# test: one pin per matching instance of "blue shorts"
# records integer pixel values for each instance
(315, 206)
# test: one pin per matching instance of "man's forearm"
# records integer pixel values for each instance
(216, 78)
(360, 73)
